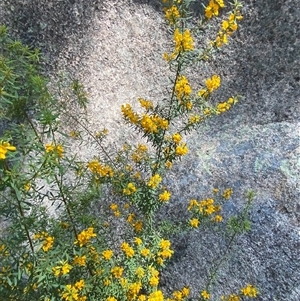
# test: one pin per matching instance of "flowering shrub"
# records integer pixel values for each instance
(73, 254)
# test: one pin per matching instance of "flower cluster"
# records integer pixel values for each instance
(62, 269)
(85, 236)
(202, 209)
(228, 27)
(149, 123)
(4, 148)
(129, 114)
(231, 297)
(205, 295)
(107, 254)
(172, 14)
(153, 123)
(55, 149)
(183, 43)
(140, 153)
(180, 295)
(100, 169)
(146, 104)
(165, 251)
(212, 84)
(227, 193)
(115, 209)
(154, 181)
(183, 89)
(249, 291)
(212, 9)
(165, 196)
(127, 249)
(181, 149)
(72, 292)
(129, 189)
(225, 106)
(80, 260)
(48, 240)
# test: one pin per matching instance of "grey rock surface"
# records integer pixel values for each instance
(254, 146)
(262, 158)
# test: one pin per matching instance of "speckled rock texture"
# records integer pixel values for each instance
(115, 48)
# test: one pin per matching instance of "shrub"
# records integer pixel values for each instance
(76, 253)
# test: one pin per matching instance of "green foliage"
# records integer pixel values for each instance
(63, 239)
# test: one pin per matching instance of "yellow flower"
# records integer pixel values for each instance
(159, 261)
(212, 9)
(165, 196)
(48, 243)
(85, 236)
(113, 207)
(232, 297)
(142, 298)
(166, 253)
(140, 272)
(172, 14)
(4, 148)
(218, 218)
(145, 252)
(130, 218)
(80, 284)
(134, 289)
(107, 254)
(185, 292)
(194, 119)
(182, 88)
(193, 203)
(181, 150)
(227, 193)
(138, 241)
(27, 186)
(129, 189)
(194, 223)
(177, 295)
(176, 138)
(123, 282)
(117, 271)
(70, 293)
(225, 25)
(213, 83)
(154, 281)
(58, 149)
(207, 111)
(164, 244)
(205, 295)
(56, 271)
(187, 41)
(249, 291)
(156, 296)
(154, 181)
(65, 269)
(80, 260)
(168, 164)
(61, 270)
(147, 104)
(138, 226)
(129, 114)
(125, 247)
(148, 124)
(97, 168)
(220, 3)
(111, 299)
